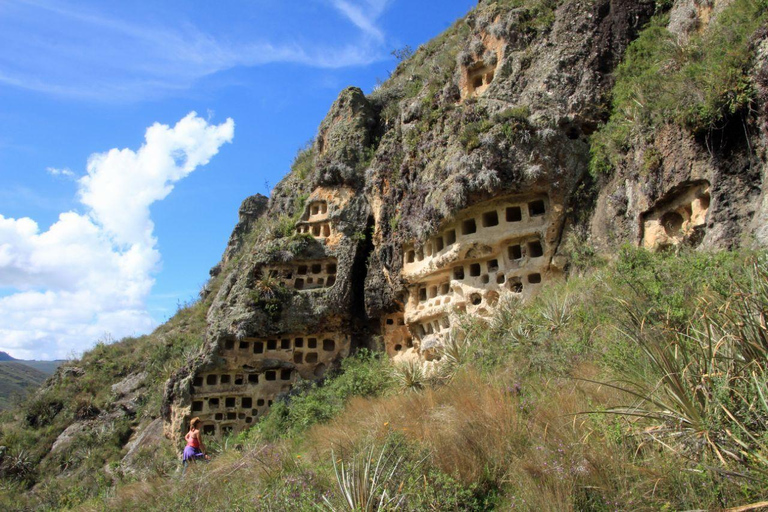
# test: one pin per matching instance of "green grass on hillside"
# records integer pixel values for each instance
(16, 378)
(603, 393)
(697, 85)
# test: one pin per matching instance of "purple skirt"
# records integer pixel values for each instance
(191, 454)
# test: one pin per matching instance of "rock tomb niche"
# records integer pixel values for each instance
(254, 371)
(493, 248)
(315, 220)
(301, 275)
(679, 217)
(478, 74)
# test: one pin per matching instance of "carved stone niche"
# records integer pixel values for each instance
(679, 217)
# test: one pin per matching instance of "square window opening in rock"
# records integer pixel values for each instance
(515, 285)
(329, 345)
(219, 416)
(229, 402)
(298, 357)
(535, 249)
(490, 219)
(468, 227)
(225, 379)
(493, 265)
(515, 252)
(285, 344)
(312, 343)
(514, 214)
(422, 294)
(211, 380)
(485, 279)
(330, 268)
(298, 342)
(432, 292)
(438, 244)
(254, 412)
(317, 268)
(311, 357)
(239, 380)
(331, 280)
(534, 278)
(285, 374)
(316, 230)
(270, 375)
(310, 280)
(419, 254)
(398, 348)
(229, 344)
(213, 403)
(253, 378)
(477, 82)
(197, 382)
(474, 270)
(458, 273)
(390, 321)
(246, 402)
(230, 416)
(320, 281)
(298, 284)
(315, 210)
(445, 288)
(536, 208)
(450, 237)
(258, 347)
(271, 344)
(260, 402)
(197, 405)
(243, 345)
(248, 419)
(411, 256)
(500, 278)
(269, 403)
(209, 430)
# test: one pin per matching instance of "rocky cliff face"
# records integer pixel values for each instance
(452, 185)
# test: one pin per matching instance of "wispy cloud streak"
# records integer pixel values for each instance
(63, 50)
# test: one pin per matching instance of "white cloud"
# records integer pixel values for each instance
(53, 171)
(66, 50)
(363, 15)
(91, 273)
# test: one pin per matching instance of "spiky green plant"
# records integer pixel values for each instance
(363, 484)
(409, 375)
(709, 396)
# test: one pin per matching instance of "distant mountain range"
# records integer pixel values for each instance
(18, 375)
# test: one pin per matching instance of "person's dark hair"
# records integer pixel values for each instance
(194, 422)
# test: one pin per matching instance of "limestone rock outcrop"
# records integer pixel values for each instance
(449, 186)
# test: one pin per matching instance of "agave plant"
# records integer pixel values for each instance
(362, 483)
(710, 395)
(409, 375)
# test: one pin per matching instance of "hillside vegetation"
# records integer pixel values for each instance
(637, 384)
(15, 379)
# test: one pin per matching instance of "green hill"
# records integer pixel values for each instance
(16, 378)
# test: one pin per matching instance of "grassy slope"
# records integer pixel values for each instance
(15, 379)
(511, 426)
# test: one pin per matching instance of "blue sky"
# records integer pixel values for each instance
(103, 231)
